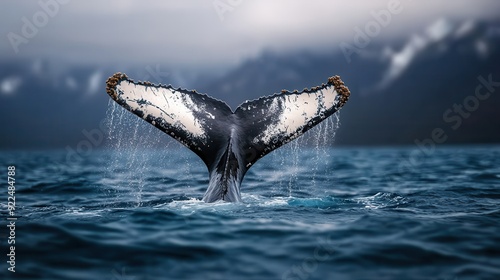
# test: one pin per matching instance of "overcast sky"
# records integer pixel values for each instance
(205, 32)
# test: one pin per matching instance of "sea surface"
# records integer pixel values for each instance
(307, 213)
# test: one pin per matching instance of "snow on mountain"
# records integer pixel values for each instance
(71, 83)
(9, 85)
(95, 82)
(399, 61)
(439, 35)
(439, 30)
(465, 29)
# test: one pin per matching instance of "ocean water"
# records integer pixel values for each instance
(308, 213)
(130, 208)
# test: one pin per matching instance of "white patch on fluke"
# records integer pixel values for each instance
(173, 107)
(297, 111)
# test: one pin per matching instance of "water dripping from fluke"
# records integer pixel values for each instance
(320, 139)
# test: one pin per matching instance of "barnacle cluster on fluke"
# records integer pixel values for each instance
(112, 82)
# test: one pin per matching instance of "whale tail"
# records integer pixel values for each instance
(228, 142)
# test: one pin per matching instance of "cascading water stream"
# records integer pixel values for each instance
(320, 138)
(132, 143)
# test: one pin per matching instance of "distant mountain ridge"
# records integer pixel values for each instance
(401, 90)
(399, 94)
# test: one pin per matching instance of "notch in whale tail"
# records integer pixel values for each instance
(228, 142)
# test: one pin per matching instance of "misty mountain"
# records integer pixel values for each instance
(401, 90)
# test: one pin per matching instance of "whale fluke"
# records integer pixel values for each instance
(228, 142)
